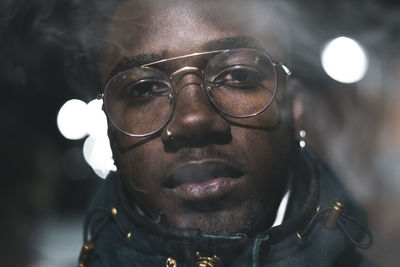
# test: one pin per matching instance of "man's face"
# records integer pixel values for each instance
(217, 174)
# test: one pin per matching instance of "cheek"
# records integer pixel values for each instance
(272, 119)
(141, 166)
(261, 147)
(266, 151)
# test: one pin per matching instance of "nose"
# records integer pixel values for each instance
(195, 121)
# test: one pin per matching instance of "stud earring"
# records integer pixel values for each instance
(170, 136)
(302, 136)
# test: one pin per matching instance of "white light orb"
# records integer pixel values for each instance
(97, 153)
(71, 119)
(97, 120)
(344, 60)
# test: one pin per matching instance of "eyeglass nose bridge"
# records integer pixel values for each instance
(177, 75)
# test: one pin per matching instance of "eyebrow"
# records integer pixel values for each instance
(136, 61)
(219, 44)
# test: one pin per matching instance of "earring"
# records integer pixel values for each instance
(170, 136)
(302, 136)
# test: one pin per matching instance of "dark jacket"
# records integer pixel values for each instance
(150, 244)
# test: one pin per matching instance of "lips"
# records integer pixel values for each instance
(202, 180)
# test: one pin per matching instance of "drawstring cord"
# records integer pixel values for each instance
(88, 242)
(303, 235)
(256, 248)
(344, 230)
(336, 217)
(112, 214)
(226, 237)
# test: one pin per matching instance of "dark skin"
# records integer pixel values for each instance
(257, 147)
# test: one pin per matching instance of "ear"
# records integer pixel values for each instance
(298, 112)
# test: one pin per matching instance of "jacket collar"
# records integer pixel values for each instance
(151, 243)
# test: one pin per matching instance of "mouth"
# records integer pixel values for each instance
(203, 180)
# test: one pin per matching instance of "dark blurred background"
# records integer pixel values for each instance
(46, 183)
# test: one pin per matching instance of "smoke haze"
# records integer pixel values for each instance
(48, 54)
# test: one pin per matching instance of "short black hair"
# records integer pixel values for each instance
(88, 20)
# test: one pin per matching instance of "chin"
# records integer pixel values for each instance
(229, 221)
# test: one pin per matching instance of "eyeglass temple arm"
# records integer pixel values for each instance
(283, 66)
(184, 56)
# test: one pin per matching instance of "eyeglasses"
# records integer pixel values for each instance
(240, 83)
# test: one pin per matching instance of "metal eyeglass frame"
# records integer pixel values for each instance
(172, 96)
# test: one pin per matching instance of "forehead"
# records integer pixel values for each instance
(171, 28)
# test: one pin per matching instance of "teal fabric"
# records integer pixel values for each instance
(277, 246)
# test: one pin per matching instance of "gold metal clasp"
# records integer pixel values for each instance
(334, 215)
(206, 261)
(171, 262)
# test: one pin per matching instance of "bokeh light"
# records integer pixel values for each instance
(97, 120)
(75, 120)
(71, 119)
(97, 153)
(344, 60)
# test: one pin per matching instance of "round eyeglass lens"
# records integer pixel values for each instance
(139, 101)
(241, 82)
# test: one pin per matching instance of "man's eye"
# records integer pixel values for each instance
(145, 88)
(240, 78)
